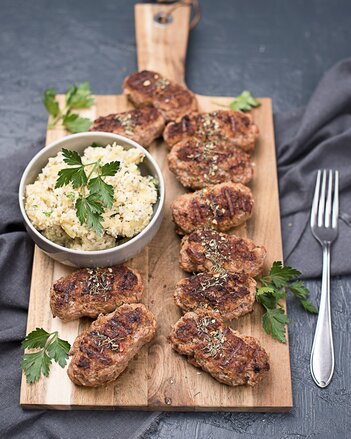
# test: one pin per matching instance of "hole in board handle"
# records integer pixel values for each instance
(162, 19)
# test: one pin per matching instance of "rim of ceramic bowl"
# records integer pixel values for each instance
(92, 135)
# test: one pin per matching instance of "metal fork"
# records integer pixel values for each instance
(324, 226)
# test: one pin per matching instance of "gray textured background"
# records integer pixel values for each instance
(277, 48)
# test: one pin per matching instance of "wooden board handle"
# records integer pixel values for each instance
(162, 47)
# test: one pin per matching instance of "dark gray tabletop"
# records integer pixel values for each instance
(276, 48)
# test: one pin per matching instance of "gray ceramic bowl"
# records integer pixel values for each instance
(100, 258)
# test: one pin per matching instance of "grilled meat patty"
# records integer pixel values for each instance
(220, 207)
(147, 88)
(208, 250)
(231, 295)
(91, 291)
(230, 357)
(142, 125)
(103, 351)
(198, 164)
(233, 127)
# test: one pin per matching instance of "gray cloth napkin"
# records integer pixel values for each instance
(317, 137)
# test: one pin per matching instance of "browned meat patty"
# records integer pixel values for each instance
(198, 164)
(230, 357)
(103, 351)
(143, 125)
(92, 291)
(220, 207)
(208, 250)
(147, 88)
(234, 127)
(231, 295)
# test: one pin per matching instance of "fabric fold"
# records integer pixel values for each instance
(317, 137)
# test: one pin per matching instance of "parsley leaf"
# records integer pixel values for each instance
(269, 296)
(77, 176)
(302, 293)
(110, 169)
(307, 306)
(77, 96)
(36, 339)
(97, 186)
(273, 288)
(76, 124)
(89, 210)
(244, 102)
(72, 158)
(50, 102)
(35, 364)
(49, 348)
(58, 351)
(280, 275)
(274, 321)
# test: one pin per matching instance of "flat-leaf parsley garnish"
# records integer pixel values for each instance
(94, 193)
(272, 289)
(45, 347)
(244, 102)
(77, 97)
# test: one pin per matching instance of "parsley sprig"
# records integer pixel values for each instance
(94, 193)
(244, 102)
(272, 289)
(77, 97)
(45, 347)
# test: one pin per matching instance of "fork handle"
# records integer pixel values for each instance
(322, 355)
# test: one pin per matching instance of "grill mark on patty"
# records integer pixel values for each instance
(64, 292)
(129, 281)
(227, 195)
(196, 211)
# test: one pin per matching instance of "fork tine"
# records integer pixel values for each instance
(321, 205)
(328, 206)
(335, 213)
(314, 209)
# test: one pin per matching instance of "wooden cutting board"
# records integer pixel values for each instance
(158, 378)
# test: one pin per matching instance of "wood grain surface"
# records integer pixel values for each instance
(159, 379)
